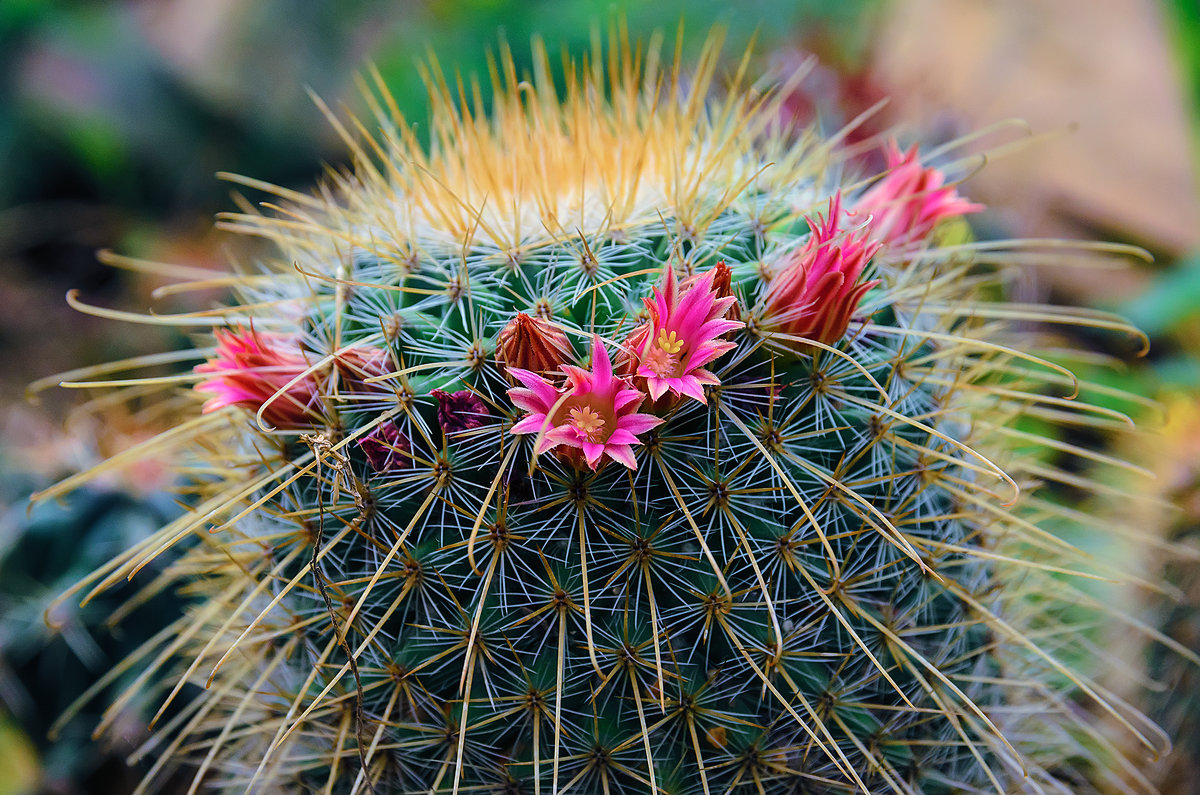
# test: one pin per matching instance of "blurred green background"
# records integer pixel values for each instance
(115, 117)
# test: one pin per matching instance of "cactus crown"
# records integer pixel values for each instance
(615, 441)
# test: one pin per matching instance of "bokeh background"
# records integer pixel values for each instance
(116, 116)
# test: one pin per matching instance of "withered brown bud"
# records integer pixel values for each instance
(386, 448)
(460, 411)
(533, 344)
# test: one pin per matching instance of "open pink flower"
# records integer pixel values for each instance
(595, 413)
(685, 333)
(816, 293)
(910, 200)
(252, 368)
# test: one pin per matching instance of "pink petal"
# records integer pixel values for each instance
(625, 397)
(621, 436)
(539, 387)
(526, 400)
(637, 424)
(530, 424)
(715, 328)
(689, 386)
(602, 372)
(701, 356)
(592, 452)
(721, 306)
(564, 434)
(656, 385)
(669, 288)
(579, 380)
(621, 453)
(691, 311)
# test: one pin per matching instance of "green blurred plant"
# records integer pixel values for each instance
(52, 654)
(1184, 26)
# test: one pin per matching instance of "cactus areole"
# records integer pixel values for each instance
(620, 440)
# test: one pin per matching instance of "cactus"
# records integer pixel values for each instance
(617, 440)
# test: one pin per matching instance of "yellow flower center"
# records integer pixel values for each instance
(589, 423)
(671, 344)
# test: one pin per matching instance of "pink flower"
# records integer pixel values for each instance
(684, 334)
(910, 200)
(816, 293)
(595, 413)
(251, 370)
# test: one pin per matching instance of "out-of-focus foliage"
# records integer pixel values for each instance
(140, 103)
(18, 760)
(1177, 611)
(1172, 301)
(1184, 23)
(45, 667)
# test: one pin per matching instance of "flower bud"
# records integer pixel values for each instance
(533, 344)
(265, 373)
(386, 448)
(723, 286)
(355, 365)
(816, 293)
(459, 411)
(910, 201)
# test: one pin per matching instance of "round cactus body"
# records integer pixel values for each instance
(618, 440)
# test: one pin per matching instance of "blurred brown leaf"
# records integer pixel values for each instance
(1102, 67)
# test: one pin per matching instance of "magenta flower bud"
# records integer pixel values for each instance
(906, 205)
(255, 370)
(818, 290)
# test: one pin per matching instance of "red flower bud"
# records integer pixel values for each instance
(254, 369)
(723, 285)
(816, 293)
(533, 344)
(355, 365)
